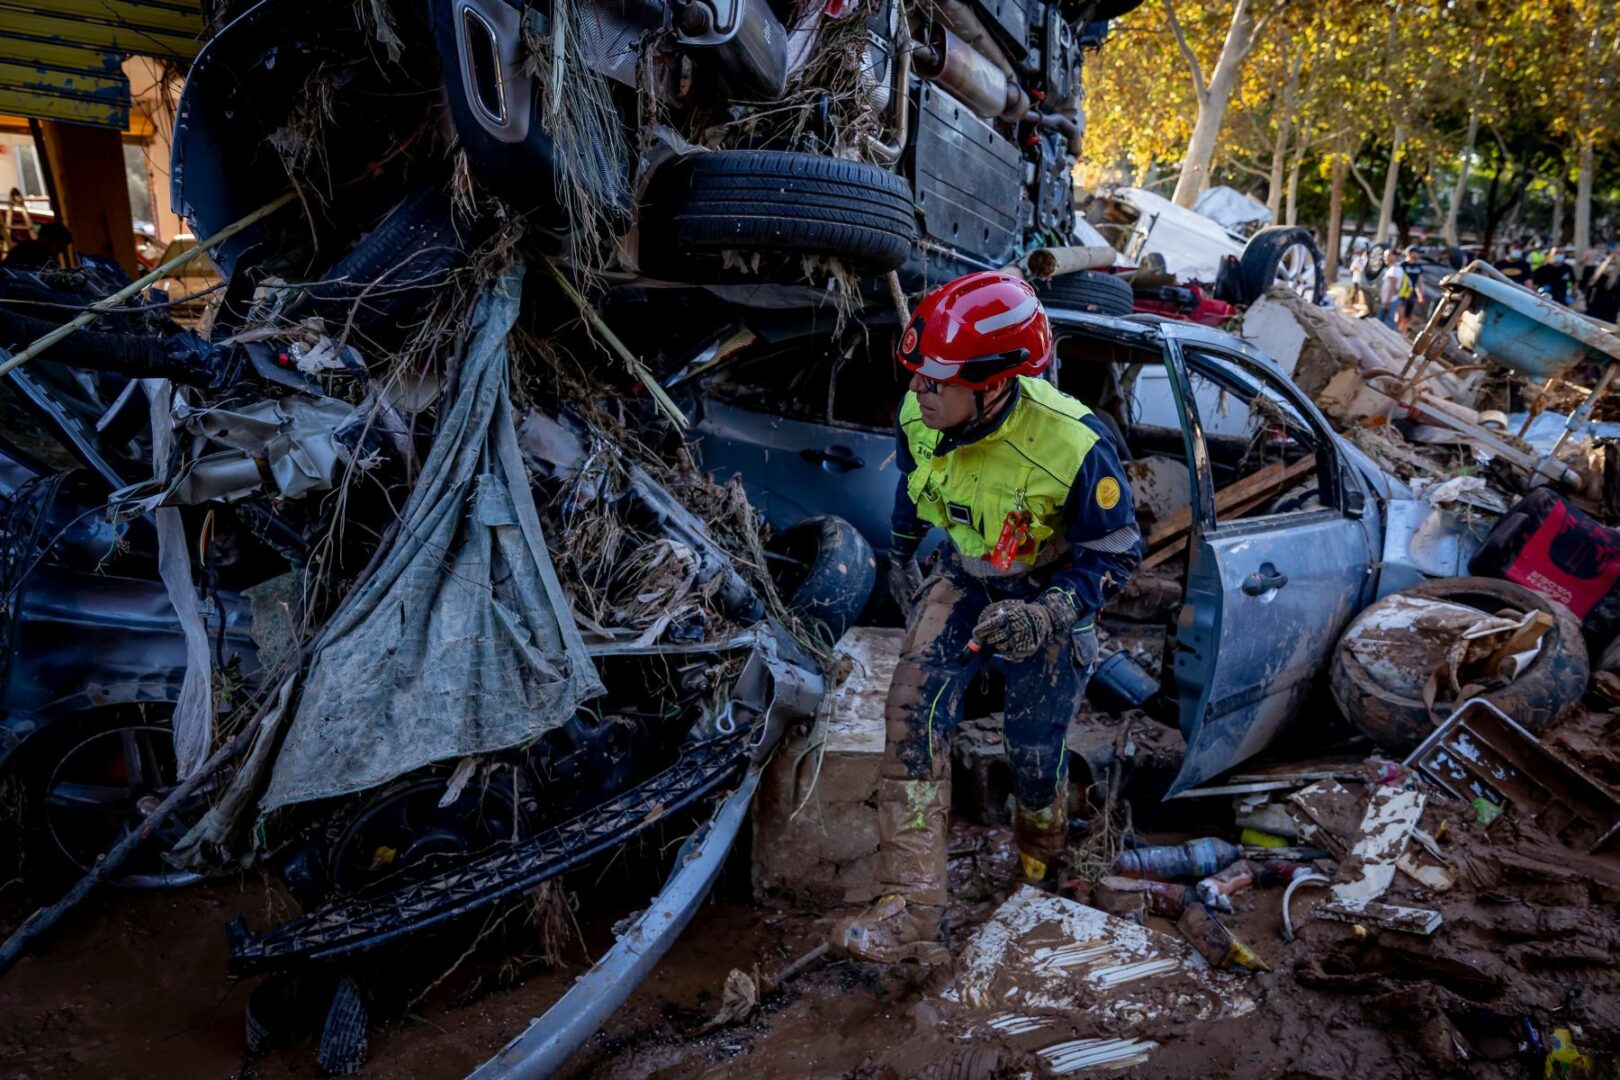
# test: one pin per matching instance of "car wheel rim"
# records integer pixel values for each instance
(106, 787)
(1296, 271)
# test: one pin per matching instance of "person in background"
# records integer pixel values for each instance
(1409, 290)
(1365, 274)
(43, 251)
(1516, 268)
(1555, 276)
(1602, 289)
(1388, 282)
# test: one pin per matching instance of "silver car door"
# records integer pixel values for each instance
(1267, 596)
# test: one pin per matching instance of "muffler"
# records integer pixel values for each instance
(746, 40)
(969, 75)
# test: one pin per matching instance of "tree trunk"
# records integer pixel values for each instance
(1293, 183)
(1335, 219)
(1461, 189)
(1558, 210)
(1386, 205)
(1583, 200)
(1212, 104)
(1279, 166)
(1285, 129)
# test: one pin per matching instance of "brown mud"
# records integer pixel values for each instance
(136, 987)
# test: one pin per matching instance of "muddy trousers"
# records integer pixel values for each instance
(925, 704)
(914, 797)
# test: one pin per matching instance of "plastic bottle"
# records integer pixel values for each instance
(1194, 859)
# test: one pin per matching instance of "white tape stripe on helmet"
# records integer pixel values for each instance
(991, 323)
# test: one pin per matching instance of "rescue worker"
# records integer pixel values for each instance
(1028, 487)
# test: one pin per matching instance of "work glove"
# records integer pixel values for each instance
(1018, 628)
(905, 581)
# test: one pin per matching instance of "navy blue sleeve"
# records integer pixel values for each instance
(1100, 525)
(906, 529)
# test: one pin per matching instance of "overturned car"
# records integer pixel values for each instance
(702, 142)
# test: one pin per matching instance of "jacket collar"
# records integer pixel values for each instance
(965, 434)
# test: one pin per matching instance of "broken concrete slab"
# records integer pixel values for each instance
(815, 820)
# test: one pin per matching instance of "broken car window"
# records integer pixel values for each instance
(868, 384)
(789, 379)
(1260, 447)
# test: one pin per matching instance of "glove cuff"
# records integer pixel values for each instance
(1060, 605)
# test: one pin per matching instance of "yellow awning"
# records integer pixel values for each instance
(63, 59)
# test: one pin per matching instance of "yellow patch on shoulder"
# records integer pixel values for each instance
(1107, 493)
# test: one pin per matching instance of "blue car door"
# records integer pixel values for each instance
(1268, 593)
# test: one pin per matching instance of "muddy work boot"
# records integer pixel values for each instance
(903, 923)
(1041, 835)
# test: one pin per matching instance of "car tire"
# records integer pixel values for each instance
(771, 201)
(1555, 679)
(1283, 255)
(60, 754)
(394, 270)
(1087, 290)
(824, 570)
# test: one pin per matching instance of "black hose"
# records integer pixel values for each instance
(134, 356)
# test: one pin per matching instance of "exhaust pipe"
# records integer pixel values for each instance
(969, 75)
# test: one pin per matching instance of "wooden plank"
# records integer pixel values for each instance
(1234, 500)
(31, 78)
(1266, 480)
(52, 54)
(176, 17)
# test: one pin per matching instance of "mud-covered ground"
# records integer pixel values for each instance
(136, 986)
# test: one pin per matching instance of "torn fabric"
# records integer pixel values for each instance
(462, 642)
(193, 720)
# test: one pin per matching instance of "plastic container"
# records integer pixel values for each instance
(1120, 683)
(1194, 859)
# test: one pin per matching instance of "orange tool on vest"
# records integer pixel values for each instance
(1014, 540)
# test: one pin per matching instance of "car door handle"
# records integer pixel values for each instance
(1263, 580)
(835, 457)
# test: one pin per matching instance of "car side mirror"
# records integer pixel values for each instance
(1355, 503)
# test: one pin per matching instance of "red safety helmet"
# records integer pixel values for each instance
(977, 331)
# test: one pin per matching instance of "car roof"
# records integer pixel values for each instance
(1148, 330)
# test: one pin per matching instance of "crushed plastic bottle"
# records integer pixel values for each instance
(1194, 859)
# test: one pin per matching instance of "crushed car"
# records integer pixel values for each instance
(700, 142)
(1195, 251)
